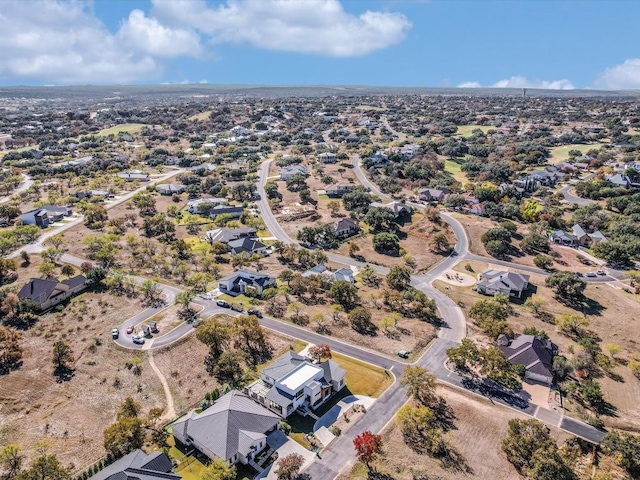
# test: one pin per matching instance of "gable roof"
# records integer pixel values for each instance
(40, 290)
(332, 371)
(245, 244)
(75, 281)
(530, 351)
(226, 235)
(500, 278)
(140, 466)
(578, 231)
(229, 426)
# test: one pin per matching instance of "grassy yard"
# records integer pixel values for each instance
(22, 149)
(454, 169)
(561, 154)
(124, 128)
(465, 130)
(362, 378)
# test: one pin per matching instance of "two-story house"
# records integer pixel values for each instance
(293, 381)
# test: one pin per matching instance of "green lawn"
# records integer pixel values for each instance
(363, 378)
(454, 169)
(124, 128)
(465, 130)
(561, 154)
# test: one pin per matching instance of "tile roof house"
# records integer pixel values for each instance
(293, 381)
(226, 235)
(533, 352)
(139, 465)
(47, 293)
(492, 281)
(345, 227)
(234, 428)
(244, 281)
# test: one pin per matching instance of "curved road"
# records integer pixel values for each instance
(27, 181)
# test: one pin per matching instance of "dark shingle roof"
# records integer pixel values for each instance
(75, 281)
(139, 465)
(38, 289)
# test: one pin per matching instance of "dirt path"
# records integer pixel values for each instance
(170, 411)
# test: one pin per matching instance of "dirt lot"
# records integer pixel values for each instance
(480, 426)
(564, 258)
(182, 364)
(72, 415)
(614, 320)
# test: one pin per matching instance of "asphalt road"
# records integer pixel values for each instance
(27, 181)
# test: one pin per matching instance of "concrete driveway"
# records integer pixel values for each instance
(284, 446)
(539, 393)
(343, 405)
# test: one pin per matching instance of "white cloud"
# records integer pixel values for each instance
(320, 27)
(523, 82)
(620, 77)
(147, 35)
(62, 42)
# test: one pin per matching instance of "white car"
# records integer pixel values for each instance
(138, 339)
(115, 333)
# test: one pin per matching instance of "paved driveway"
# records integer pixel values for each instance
(284, 446)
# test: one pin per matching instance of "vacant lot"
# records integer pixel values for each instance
(124, 128)
(467, 130)
(561, 154)
(480, 427)
(72, 415)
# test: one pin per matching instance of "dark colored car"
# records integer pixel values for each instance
(223, 304)
(255, 312)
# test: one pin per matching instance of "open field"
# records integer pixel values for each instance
(200, 116)
(362, 378)
(466, 130)
(71, 415)
(454, 169)
(124, 128)
(370, 107)
(561, 154)
(480, 427)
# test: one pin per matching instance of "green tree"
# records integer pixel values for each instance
(151, 292)
(380, 219)
(387, 243)
(524, 439)
(214, 334)
(47, 269)
(625, 448)
(420, 430)
(184, 299)
(567, 286)
(229, 369)
(360, 320)
(344, 294)
(464, 355)
(399, 277)
(44, 466)
(11, 461)
(572, 324)
(218, 469)
(129, 408)
(10, 350)
(543, 261)
(124, 436)
(62, 356)
(440, 242)
(420, 383)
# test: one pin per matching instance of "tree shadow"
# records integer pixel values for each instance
(454, 460)
(63, 374)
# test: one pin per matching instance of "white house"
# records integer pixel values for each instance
(328, 157)
(287, 172)
(244, 281)
(293, 381)
(338, 189)
(492, 281)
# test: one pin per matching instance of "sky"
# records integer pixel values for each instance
(555, 44)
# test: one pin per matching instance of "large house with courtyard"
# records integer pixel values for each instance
(293, 381)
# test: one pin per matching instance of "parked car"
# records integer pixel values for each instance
(138, 339)
(237, 308)
(403, 354)
(130, 329)
(601, 272)
(223, 304)
(579, 274)
(153, 326)
(255, 311)
(115, 333)
(591, 274)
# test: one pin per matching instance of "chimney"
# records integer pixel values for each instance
(31, 283)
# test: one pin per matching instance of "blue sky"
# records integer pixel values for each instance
(505, 43)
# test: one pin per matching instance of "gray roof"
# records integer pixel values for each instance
(599, 235)
(578, 231)
(318, 269)
(245, 244)
(39, 290)
(332, 371)
(140, 466)
(228, 426)
(283, 365)
(226, 235)
(532, 352)
(511, 280)
(248, 276)
(75, 281)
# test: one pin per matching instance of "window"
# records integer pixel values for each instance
(299, 394)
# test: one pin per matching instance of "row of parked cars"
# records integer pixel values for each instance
(238, 308)
(138, 338)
